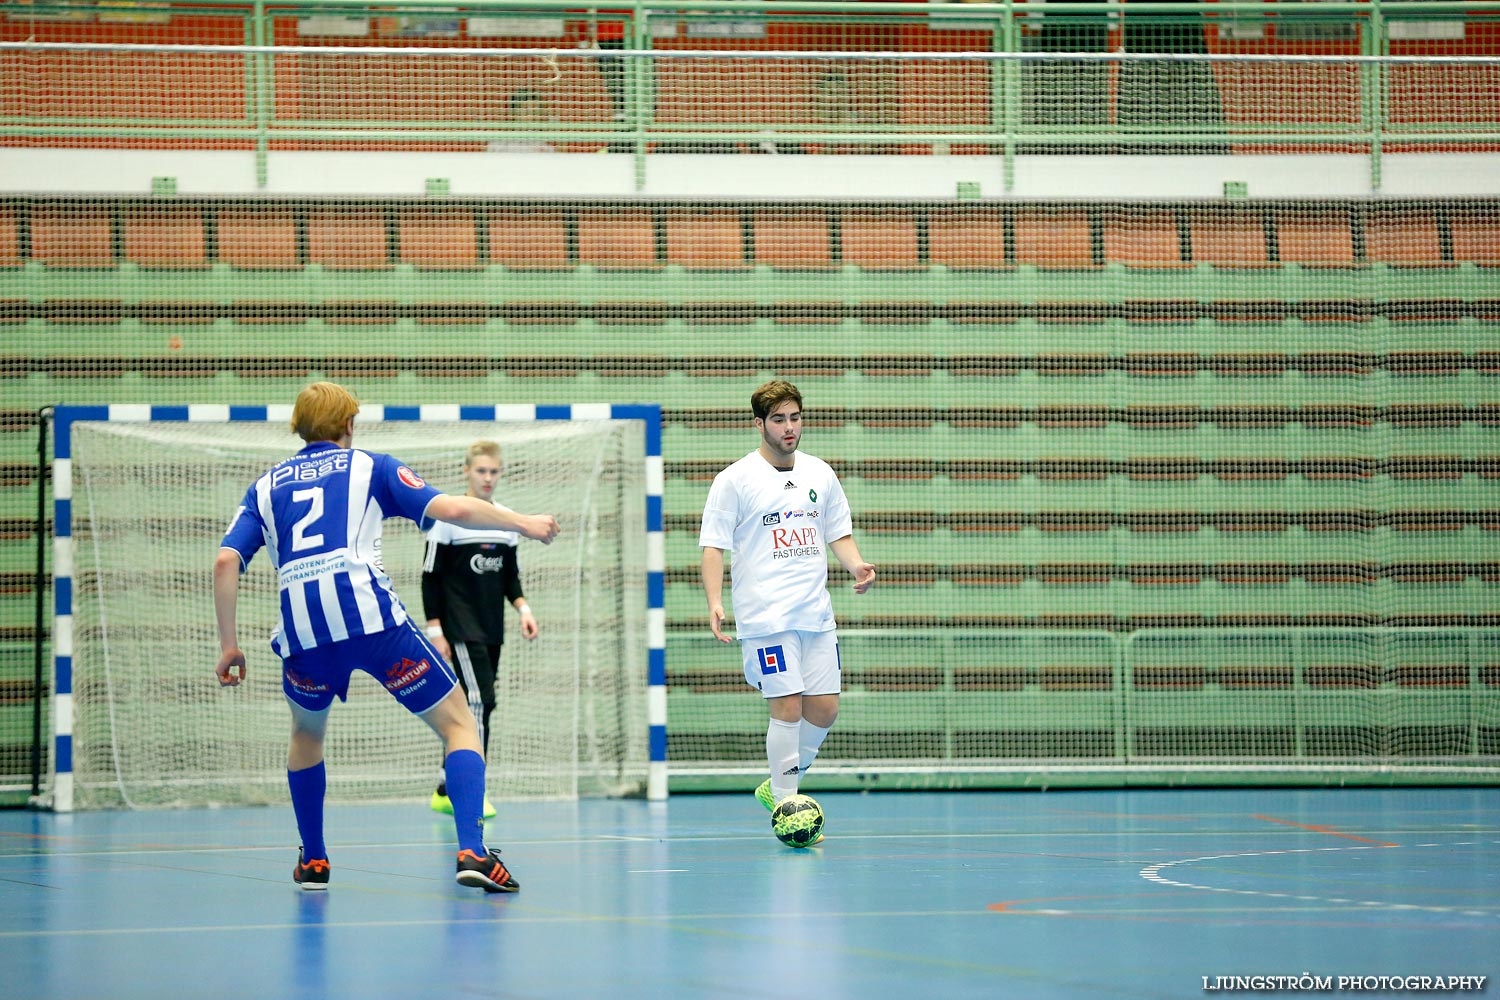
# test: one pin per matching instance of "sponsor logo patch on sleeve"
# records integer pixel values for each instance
(410, 478)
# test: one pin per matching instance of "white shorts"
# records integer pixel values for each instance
(793, 663)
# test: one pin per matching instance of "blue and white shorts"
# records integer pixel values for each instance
(400, 658)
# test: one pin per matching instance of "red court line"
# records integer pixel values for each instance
(31, 836)
(1323, 829)
(1005, 907)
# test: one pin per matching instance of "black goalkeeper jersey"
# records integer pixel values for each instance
(468, 578)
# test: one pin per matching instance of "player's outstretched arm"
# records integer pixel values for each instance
(847, 553)
(472, 512)
(231, 666)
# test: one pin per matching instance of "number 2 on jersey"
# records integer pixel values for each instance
(301, 541)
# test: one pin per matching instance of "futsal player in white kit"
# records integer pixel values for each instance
(781, 511)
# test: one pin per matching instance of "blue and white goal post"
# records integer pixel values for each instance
(142, 496)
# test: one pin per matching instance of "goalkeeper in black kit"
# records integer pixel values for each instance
(467, 579)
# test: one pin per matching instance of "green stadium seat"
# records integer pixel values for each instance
(348, 238)
(166, 236)
(1176, 676)
(438, 238)
(617, 238)
(258, 238)
(360, 312)
(79, 235)
(526, 238)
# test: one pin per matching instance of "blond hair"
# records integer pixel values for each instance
(490, 448)
(771, 395)
(322, 412)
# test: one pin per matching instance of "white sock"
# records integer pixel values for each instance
(809, 741)
(782, 755)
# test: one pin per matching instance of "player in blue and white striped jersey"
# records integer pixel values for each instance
(318, 515)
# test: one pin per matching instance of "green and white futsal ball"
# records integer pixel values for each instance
(797, 821)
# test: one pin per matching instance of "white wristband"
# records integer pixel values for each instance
(523, 608)
(434, 631)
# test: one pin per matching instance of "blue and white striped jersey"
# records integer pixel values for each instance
(319, 516)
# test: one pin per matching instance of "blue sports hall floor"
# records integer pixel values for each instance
(934, 895)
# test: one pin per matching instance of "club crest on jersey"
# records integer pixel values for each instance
(410, 478)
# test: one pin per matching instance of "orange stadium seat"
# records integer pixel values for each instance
(1054, 238)
(880, 239)
(1315, 237)
(1143, 238)
(712, 239)
(1233, 237)
(73, 235)
(258, 237)
(1476, 236)
(967, 238)
(166, 236)
(10, 236)
(619, 238)
(793, 240)
(438, 237)
(348, 238)
(1404, 237)
(529, 238)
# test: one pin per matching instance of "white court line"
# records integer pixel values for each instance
(929, 836)
(1152, 873)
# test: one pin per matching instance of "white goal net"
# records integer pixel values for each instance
(152, 726)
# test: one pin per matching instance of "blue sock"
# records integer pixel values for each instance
(465, 773)
(308, 786)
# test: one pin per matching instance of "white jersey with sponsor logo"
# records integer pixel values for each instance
(777, 524)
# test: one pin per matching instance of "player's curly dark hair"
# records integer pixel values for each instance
(771, 395)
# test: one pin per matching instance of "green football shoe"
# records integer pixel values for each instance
(763, 795)
(442, 804)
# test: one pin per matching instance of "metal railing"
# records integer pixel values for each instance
(1009, 80)
(1310, 691)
